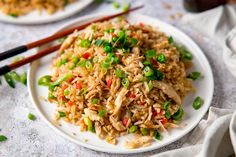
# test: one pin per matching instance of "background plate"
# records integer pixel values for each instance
(204, 88)
(36, 18)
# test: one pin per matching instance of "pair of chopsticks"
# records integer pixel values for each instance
(18, 50)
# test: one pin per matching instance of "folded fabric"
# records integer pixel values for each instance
(218, 23)
(214, 137)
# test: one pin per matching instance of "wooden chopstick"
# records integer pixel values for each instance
(24, 48)
(7, 68)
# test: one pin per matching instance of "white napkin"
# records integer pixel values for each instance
(214, 137)
(220, 24)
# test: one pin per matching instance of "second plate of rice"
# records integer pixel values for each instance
(123, 86)
(38, 12)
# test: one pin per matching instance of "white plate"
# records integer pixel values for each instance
(204, 88)
(36, 18)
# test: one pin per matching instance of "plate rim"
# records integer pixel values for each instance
(128, 151)
(64, 14)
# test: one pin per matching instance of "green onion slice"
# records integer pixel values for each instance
(44, 80)
(133, 129)
(197, 103)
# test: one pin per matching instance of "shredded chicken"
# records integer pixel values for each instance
(168, 90)
(117, 124)
(115, 82)
(142, 141)
(119, 100)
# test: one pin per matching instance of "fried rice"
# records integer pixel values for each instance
(115, 78)
(21, 7)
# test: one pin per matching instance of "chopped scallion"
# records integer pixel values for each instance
(15, 76)
(89, 123)
(83, 91)
(125, 82)
(126, 7)
(99, 42)
(157, 135)
(120, 73)
(161, 58)
(133, 129)
(194, 75)
(31, 116)
(9, 80)
(145, 131)
(151, 53)
(61, 114)
(44, 80)
(179, 114)
(170, 40)
(3, 138)
(148, 71)
(85, 43)
(101, 112)
(197, 103)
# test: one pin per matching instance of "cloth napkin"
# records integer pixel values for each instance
(216, 136)
(220, 24)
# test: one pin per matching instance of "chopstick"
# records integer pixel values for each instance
(24, 48)
(7, 68)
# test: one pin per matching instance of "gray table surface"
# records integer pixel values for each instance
(34, 139)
